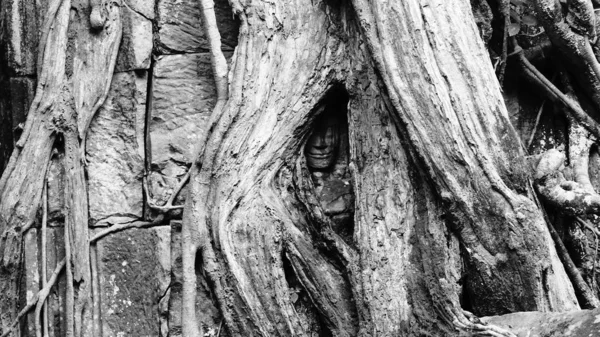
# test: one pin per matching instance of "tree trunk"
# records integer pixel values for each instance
(438, 222)
(448, 157)
(75, 67)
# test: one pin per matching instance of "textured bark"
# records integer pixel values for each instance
(251, 199)
(441, 92)
(445, 218)
(75, 69)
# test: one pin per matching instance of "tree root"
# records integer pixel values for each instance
(118, 227)
(535, 126)
(594, 231)
(70, 294)
(587, 298)
(555, 94)
(39, 299)
(569, 196)
(38, 325)
(192, 239)
(572, 34)
(168, 206)
(218, 61)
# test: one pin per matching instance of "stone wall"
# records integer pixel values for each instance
(161, 96)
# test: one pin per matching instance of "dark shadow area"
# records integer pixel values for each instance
(327, 157)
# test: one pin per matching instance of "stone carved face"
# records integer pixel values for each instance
(322, 147)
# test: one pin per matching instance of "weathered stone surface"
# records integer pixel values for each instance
(581, 323)
(142, 7)
(22, 21)
(132, 281)
(115, 149)
(183, 97)
(136, 45)
(180, 27)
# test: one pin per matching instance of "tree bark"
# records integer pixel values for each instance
(440, 109)
(75, 69)
(446, 221)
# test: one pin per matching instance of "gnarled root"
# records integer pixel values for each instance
(571, 197)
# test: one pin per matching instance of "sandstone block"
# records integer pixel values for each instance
(115, 149)
(131, 280)
(23, 20)
(183, 98)
(136, 45)
(142, 7)
(180, 27)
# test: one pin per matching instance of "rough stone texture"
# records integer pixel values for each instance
(180, 27)
(115, 149)
(583, 323)
(23, 19)
(135, 273)
(136, 45)
(183, 97)
(131, 282)
(142, 7)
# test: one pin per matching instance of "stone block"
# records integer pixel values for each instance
(136, 45)
(23, 19)
(184, 95)
(115, 149)
(180, 27)
(142, 7)
(132, 281)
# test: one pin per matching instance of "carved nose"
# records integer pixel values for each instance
(320, 142)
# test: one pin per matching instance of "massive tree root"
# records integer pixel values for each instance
(252, 206)
(438, 173)
(70, 89)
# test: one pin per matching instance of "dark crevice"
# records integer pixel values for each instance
(327, 157)
(6, 137)
(302, 303)
(147, 139)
